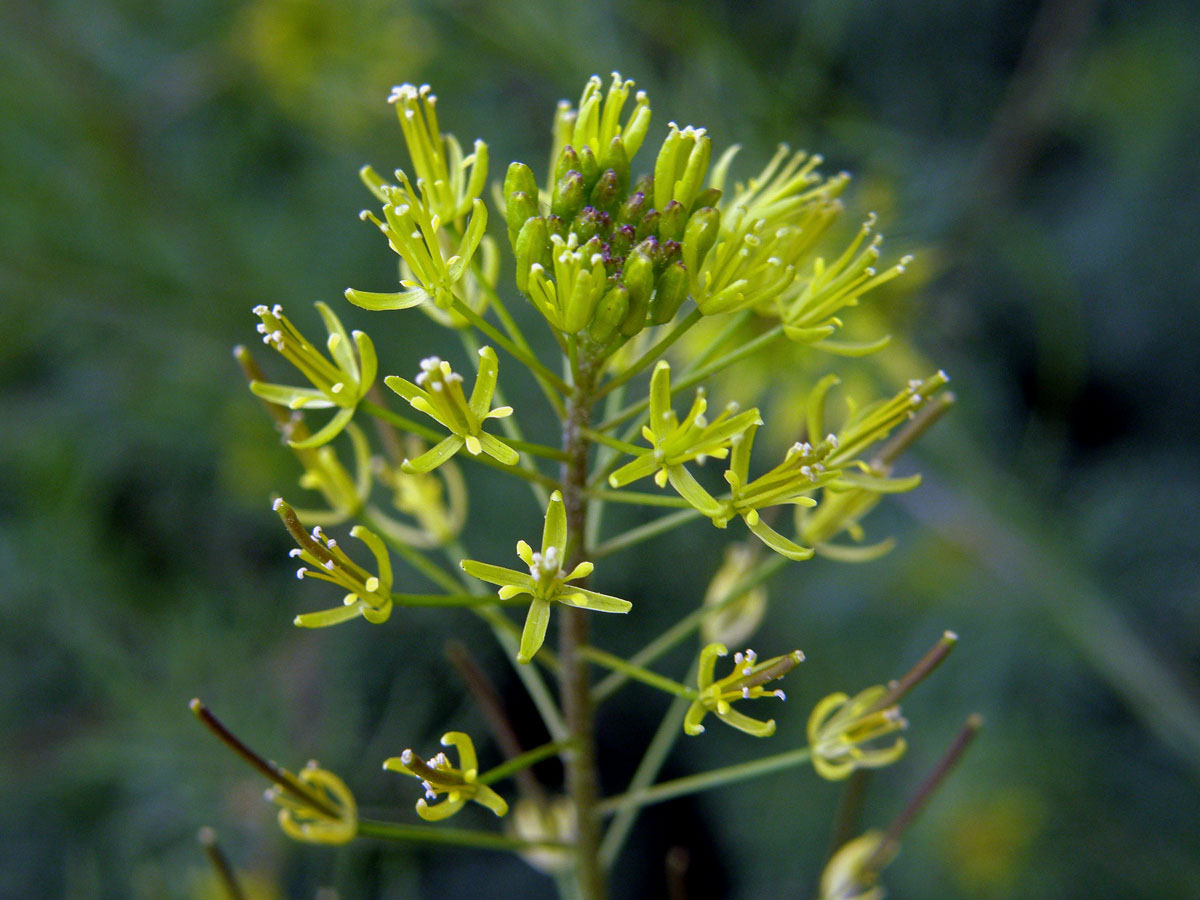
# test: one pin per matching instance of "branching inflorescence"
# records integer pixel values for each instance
(617, 266)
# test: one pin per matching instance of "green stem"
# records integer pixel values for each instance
(622, 446)
(447, 600)
(458, 837)
(640, 499)
(645, 532)
(689, 623)
(524, 761)
(656, 754)
(523, 355)
(693, 784)
(651, 355)
(611, 661)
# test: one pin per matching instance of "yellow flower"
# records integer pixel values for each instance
(438, 393)
(744, 683)
(341, 383)
(303, 822)
(438, 777)
(674, 443)
(545, 581)
(843, 731)
(369, 596)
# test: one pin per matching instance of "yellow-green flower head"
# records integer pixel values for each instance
(596, 123)
(438, 158)
(439, 777)
(303, 822)
(437, 501)
(339, 381)
(745, 682)
(808, 308)
(369, 596)
(848, 876)
(545, 581)
(580, 279)
(844, 733)
(674, 443)
(873, 422)
(438, 393)
(785, 192)
(767, 228)
(736, 621)
(413, 231)
(681, 166)
(745, 268)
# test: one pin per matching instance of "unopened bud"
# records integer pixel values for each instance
(670, 291)
(531, 246)
(672, 221)
(568, 196)
(638, 278)
(607, 192)
(610, 313)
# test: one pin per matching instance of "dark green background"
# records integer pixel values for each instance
(166, 166)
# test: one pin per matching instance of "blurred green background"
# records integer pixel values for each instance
(165, 166)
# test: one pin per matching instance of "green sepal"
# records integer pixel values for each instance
(383, 302)
(434, 456)
(331, 430)
(670, 291)
(533, 635)
(854, 554)
(852, 348)
(568, 196)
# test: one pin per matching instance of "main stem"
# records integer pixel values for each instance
(582, 779)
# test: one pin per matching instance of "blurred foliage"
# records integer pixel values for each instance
(168, 165)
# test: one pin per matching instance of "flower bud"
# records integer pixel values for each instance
(568, 196)
(670, 291)
(589, 167)
(610, 313)
(607, 192)
(520, 208)
(590, 223)
(698, 238)
(531, 246)
(616, 159)
(708, 197)
(672, 221)
(568, 161)
(638, 278)
(621, 242)
(648, 227)
(519, 177)
(632, 209)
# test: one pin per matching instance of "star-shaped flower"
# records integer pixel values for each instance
(745, 682)
(438, 777)
(340, 383)
(438, 393)
(842, 731)
(674, 443)
(301, 821)
(545, 580)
